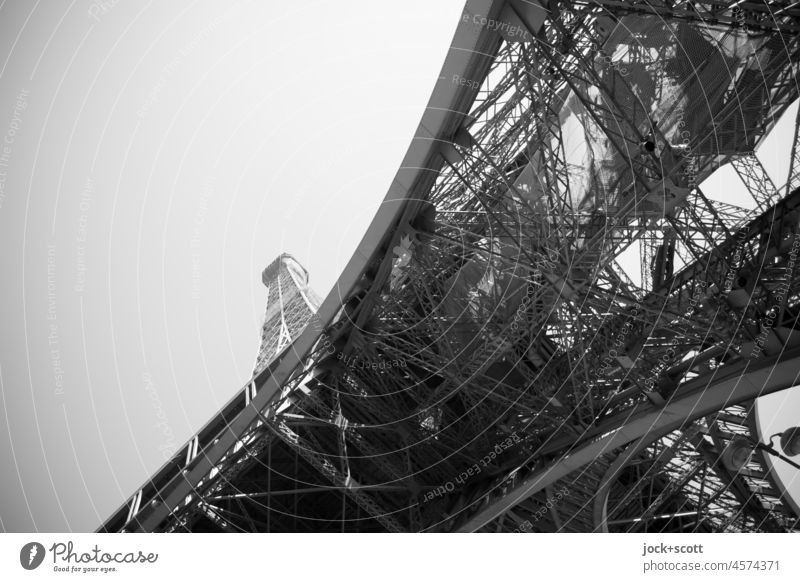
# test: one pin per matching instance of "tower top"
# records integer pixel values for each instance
(295, 268)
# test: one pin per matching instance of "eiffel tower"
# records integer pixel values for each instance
(556, 329)
(291, 305)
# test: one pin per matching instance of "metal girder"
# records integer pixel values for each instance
(685, 470)
(690, 289)
(757, 16)
(755, 178)
(175, 481)
(500, 290)
(701, 397)
(342, 481)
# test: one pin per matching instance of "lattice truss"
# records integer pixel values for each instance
(563, 268)
(291, 305)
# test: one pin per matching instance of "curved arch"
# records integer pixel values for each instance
(726, 386)
(600, 509)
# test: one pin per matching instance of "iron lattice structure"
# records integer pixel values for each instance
(549, 325)
(291, 305)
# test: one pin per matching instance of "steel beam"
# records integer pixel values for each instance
(745, 380)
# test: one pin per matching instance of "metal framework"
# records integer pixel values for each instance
(291, 305)
(549, 325)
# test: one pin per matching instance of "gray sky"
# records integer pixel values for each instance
(161, 155)
(154, 157)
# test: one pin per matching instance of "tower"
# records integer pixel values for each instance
(544, 342)
(291, 304)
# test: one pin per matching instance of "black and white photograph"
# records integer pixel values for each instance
(292, 269)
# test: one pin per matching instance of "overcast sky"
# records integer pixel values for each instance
(155, 157)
